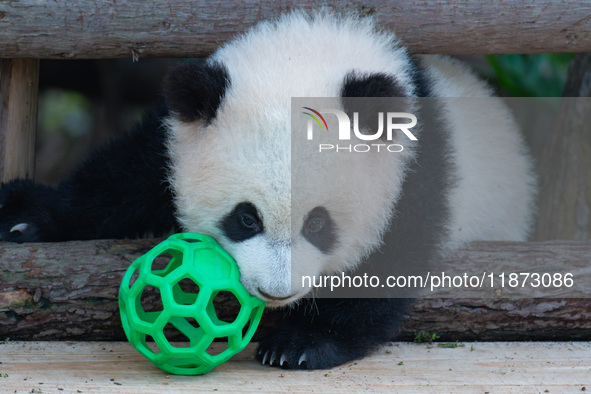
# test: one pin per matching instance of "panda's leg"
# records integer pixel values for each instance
(30, 212)
(120, 192)
(324, 333)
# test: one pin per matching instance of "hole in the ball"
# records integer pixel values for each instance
(188, 326)
(151, 344)
(175, 337)
(226, 298)
(184, 363)
(245, 328)
(249, 329)
(134, 277)
(188, 286)
(167, 262)
(192, 322)
(191, 241)
(150, 304)
(185, 291)
(161, 261)
(217, 347)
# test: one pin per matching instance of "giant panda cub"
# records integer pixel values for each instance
(217, 159)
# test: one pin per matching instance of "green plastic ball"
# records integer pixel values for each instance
(198, 260)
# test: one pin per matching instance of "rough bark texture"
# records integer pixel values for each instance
(69, 291)
(184, 28)
(501, 319)
(19, 79)
(565, 179)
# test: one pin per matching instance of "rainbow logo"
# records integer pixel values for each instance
(315, 118)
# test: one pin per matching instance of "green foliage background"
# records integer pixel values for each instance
(540, 75)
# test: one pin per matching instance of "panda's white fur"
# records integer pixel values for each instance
(244, 154)
(496, 188)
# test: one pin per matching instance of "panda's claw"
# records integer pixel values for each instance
(265, 358)
(283, 360)
(21, 228)
(302, 359)
(273, 356)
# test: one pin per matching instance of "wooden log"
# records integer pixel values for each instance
(69, 291)
(565, 179)
(19, 80)
(63, 29)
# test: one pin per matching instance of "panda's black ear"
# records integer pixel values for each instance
(371, 85)
(362, 93)
(194, 90)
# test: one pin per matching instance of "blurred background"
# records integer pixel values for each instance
(83, 103)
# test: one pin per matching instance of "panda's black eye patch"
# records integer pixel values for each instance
(242, 223)
(319, 229)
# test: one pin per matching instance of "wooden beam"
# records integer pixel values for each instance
(69, 291)
(64, 29)
(115, 367)
(19, 80)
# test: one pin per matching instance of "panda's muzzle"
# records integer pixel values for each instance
(272, 297)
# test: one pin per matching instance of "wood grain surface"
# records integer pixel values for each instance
(63, 29)
(115, 367)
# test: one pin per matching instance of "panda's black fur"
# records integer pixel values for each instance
(121, 191)
(196, 90)
(124, 190)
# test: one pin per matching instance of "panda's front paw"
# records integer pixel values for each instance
(305, 348)
(28, 212)
(21, 232)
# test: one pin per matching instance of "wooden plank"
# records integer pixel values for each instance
(103, 367)
(63, 29)
(19, 80)
(69, 290)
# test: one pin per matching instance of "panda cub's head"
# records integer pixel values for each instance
(233, 161)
